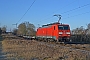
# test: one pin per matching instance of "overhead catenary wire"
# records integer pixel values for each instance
(77, 15)
(60, 8)
(24, 13)
(74, 10)
(27, 11)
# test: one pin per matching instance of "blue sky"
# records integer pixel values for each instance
(76, 13)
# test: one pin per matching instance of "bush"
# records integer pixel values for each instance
(81, 38)
(0, 31)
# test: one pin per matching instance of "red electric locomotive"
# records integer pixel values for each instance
(54, 31)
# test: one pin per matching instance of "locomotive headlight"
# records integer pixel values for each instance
(67, 32)
(60, 32)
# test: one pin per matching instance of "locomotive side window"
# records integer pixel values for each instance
(54, 27)
(65, 27)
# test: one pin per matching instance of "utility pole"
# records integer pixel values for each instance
(15, 24)
(59, 16)
(38, 25)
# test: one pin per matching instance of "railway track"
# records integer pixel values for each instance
(82, 48)
(75, 45)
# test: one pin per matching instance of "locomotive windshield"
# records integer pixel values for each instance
(63, 27)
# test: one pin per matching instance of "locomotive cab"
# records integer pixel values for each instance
(64, 33)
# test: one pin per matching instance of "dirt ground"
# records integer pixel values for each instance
(20, 49)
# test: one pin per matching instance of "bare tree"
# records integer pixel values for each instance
(88, 29)
(4, 28)
(26, 28)
(22, 29)
(15, 31)
(88, 26)
(79, 30)
(0, 31)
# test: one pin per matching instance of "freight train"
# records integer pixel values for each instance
(55, 32)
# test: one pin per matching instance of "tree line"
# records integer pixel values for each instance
(25, 28)
(81, 30)
(81, 34)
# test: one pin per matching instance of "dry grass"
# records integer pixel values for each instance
(79, 46)
(27, 49)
